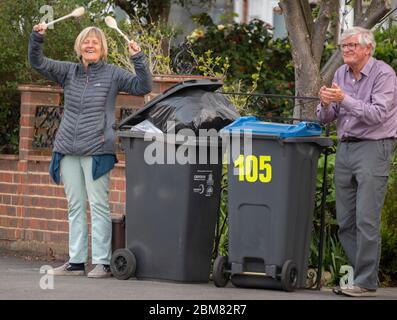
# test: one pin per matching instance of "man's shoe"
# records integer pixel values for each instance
(100, 271)
(357, 291)
(68, 269)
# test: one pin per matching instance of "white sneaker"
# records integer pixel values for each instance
(66, 270)
(100, 271)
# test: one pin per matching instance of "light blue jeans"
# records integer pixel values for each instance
(77, 178)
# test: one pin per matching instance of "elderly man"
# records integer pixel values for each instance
(362, 99)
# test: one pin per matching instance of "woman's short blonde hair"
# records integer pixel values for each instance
(91, 31)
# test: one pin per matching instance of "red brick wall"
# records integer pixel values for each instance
(33, 209)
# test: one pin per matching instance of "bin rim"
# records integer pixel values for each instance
(172, 138)
(303, 132)
(205, 84)
(319, 140)
(283, 130)
(118, 218)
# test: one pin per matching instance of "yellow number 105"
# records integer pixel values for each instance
(249, 170)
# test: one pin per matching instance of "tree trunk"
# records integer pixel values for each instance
(335, 24)
(307, 86)
(306, 46)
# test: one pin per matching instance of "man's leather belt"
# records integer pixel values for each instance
(352, 139)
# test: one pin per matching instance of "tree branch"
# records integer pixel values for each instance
(296, 26)
(307, 15)
(320, 28)
(375, 11)
(358, 10)
(306, 70)
(328, 71)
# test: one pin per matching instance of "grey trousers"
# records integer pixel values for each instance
(361, 172)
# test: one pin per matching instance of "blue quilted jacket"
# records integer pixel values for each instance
(89, 97)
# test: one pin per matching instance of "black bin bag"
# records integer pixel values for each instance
(193, 108)
(191, 104)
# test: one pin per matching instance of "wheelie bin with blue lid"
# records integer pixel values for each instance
(271, 192)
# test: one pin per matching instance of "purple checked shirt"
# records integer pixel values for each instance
(369, 109)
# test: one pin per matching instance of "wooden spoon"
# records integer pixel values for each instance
(111, 22)
(75, 13)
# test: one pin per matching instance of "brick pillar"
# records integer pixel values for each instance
(31, 97)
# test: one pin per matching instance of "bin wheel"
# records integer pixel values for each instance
(289, 276)
(219, 274)
(123, 264)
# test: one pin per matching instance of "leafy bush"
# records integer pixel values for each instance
(221, 244)
(386, 45)
(245, 48)
(154, 38)
(388, 262)
(333, 253)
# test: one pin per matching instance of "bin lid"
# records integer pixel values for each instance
(176, 139)
(140, 115)
(256, 127)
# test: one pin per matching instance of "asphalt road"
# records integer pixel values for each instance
(20, 279)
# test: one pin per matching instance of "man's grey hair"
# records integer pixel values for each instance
(365, 37)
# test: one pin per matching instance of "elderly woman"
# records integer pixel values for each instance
(84, 146)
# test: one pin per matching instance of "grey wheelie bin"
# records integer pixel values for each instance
(271, 193)
(172, 201)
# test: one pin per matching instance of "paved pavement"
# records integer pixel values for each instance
(21, 279)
